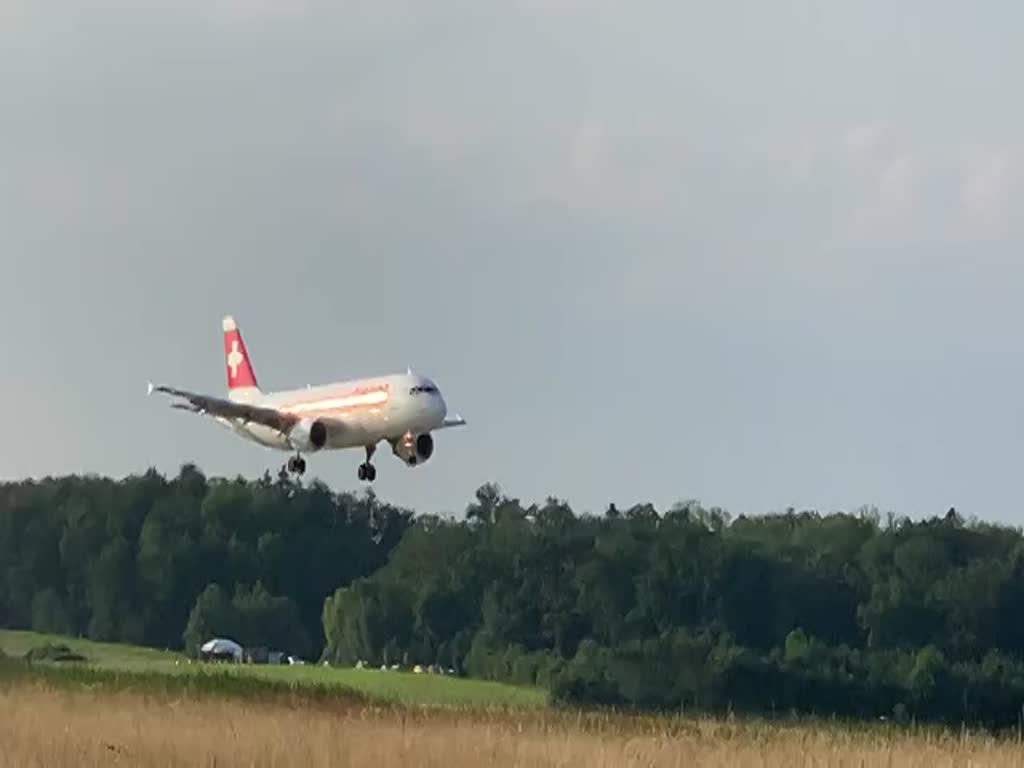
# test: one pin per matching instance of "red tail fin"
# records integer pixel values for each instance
(236, 358)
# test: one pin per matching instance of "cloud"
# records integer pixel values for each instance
(987, 184)
(233, 12)
(876, 183)
(860, 142)
(801, 163)
(448, 132)
(896, 190)
(619, 169)
(567, 7)
(589, 148)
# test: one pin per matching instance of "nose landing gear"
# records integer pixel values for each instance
(296, 465)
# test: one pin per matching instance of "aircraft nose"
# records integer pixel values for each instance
(441, 405)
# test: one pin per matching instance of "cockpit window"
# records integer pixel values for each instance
(423, 389)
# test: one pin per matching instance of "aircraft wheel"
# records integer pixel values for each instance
(367, 472)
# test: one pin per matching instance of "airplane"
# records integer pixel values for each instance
(400, 409)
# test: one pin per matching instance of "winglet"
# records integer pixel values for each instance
(149, 388)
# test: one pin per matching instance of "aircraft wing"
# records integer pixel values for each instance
(454, 421)
(227, 409)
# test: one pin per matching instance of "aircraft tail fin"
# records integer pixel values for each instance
(238, 365)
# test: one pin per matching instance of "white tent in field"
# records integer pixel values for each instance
(221, 647)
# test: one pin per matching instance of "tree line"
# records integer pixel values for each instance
(850, 614)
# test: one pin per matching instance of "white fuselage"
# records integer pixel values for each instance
(372, 410)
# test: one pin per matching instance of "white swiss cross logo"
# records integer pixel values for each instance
(235, 358)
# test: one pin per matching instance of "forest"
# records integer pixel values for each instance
(851, 614)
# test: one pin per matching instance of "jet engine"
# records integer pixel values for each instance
(308, 435)
(414, 449)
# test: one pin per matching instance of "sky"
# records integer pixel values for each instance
(756, 254)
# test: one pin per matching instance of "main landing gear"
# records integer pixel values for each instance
(368, 472)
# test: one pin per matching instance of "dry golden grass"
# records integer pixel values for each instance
(42, 726)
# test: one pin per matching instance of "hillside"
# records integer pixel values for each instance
(400, 687)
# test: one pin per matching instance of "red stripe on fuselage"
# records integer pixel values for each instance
(348, 401)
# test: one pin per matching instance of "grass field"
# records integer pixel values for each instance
(60, 728)
(140, 707)
(385, 687)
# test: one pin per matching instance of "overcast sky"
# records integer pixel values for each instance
(758, 254)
